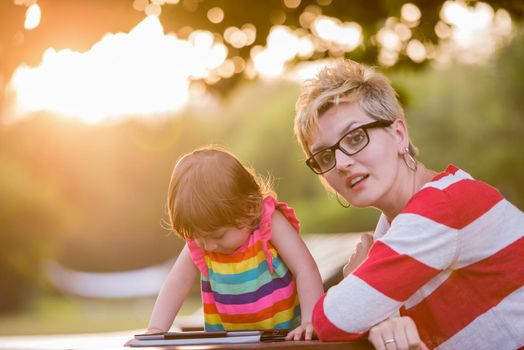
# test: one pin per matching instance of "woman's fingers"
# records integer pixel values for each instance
(412, 335)
(360, 254)
(401, 340)
(375, 337)
(382, 336)
(367, 241)
(396, 333)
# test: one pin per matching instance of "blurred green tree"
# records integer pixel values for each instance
(472, 116)
(29, 214)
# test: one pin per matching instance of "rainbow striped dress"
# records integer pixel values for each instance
(251, 288)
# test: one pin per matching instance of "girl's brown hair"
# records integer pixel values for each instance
(210, 189)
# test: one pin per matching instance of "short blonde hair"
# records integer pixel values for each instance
(345, 81)
(210, 189)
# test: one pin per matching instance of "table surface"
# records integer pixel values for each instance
(287, 345)
(115, 341)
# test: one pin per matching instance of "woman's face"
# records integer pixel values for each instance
(366, 178)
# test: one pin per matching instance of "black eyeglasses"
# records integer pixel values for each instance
(351, 143)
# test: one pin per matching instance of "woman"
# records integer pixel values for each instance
(448, 250)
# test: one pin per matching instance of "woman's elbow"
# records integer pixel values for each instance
(325, 329)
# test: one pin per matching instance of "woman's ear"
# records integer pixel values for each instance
(400, 132)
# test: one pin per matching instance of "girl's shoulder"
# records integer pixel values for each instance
(197, 255)
(264, 230)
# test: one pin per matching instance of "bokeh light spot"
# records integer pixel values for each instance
(416, 51)
(32, 17)
(292, 4)
(410, 13)
(215, 15)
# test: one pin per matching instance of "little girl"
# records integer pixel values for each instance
(254, 267)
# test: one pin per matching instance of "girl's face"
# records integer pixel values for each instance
(366, 178)
(225, 240)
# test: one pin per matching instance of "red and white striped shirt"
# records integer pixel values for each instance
(453, 261)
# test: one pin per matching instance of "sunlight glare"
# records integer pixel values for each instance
(139, 73)
(282, 46)
(474, 32)
(306, 48)
(153, 9)
(347, 36)
(33, 15)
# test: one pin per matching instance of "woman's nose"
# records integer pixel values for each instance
(343, 160)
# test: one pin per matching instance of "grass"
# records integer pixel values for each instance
(64, 315)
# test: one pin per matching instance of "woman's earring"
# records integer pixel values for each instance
(409, 160)
(344, 205)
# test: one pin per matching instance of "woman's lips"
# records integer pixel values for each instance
(355, 180)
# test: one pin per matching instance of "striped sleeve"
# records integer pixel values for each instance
(422, 241)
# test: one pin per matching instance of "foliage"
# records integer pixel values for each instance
(27, 215)
(371, 15)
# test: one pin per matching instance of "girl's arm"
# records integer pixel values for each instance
(173, 292)
(300, 262)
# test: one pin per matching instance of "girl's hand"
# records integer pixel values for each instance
(360, 254)
(154, 331)
(305, 328)
(396, 333)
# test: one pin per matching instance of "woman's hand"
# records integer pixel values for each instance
(305, 328)
(396, 333)
(360, 254)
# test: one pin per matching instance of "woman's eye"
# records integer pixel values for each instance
(324, 158)
(356, 138)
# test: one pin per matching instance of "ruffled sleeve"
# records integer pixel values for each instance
(265, 232)
(198, 255)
